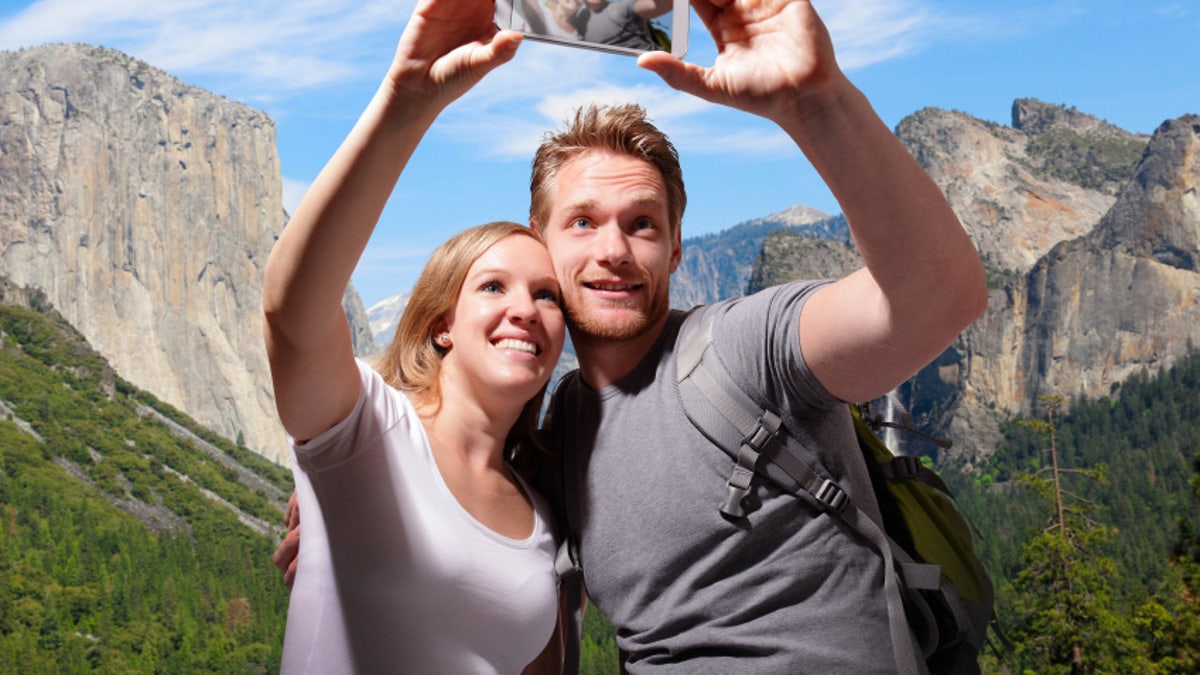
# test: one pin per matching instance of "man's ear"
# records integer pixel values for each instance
(677, 250)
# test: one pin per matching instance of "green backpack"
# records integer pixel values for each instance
(935, 585)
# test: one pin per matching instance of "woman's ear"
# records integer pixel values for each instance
(441, 334)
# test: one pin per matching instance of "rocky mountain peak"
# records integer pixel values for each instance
(1035, 118)
(1158, 214)
(1017, 192)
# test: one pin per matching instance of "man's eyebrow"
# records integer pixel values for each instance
(638, 199)
(580, 205)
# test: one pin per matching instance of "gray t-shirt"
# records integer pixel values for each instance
(787, 590)
(617, 23)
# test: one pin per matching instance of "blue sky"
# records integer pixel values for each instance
(313, 65)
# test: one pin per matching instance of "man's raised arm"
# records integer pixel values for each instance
(923, 282)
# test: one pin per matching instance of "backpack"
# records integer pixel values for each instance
(937, 590)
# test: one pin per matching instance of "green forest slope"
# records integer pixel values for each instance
(131, 539)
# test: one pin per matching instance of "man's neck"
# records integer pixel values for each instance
(605, 362)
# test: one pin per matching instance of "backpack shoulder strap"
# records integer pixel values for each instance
(755, 437)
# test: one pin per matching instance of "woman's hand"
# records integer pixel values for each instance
(446, 48)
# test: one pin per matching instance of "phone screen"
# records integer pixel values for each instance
(622, 26)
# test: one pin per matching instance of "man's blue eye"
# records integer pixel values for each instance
(580, 223)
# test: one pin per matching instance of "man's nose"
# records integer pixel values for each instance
(612, 246)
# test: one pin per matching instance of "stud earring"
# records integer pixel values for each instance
(444, 339)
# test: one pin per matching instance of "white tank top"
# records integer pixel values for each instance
(394, 575)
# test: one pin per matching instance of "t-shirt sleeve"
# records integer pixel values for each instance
(758, 338)
(374, 412)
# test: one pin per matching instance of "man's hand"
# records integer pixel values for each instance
(287, 554)
(446, 48)
(771, 56)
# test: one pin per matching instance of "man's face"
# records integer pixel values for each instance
(610, 240)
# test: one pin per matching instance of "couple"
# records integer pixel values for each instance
(427, 547)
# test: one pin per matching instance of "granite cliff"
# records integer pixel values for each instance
(719, 265)
(1092, 239)
(1119, 297)
(144, 209)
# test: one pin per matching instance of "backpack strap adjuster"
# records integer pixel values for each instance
(831, 496)
(902, 466)
(753, 445)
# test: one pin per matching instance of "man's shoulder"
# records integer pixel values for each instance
(732, 313)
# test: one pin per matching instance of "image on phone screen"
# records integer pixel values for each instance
(621, 26)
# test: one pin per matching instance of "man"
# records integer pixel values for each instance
(787, 589)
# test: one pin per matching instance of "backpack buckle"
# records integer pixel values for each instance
(765, 431)
(736, 492)
(904, 466)
(831, 495)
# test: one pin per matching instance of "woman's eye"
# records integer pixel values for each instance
(547, 295)
(490, 287)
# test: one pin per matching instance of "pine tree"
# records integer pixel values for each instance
(1182, 648)
(1063, 592)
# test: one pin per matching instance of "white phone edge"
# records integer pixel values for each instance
(679, 33)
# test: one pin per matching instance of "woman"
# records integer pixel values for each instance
(423, 550)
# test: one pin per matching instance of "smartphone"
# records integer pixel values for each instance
(619, 26)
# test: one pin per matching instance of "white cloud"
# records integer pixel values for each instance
(1174, 10)
(866, 32)
(711, 139)
(257, 46)
(259, 51)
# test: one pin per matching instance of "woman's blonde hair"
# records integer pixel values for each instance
(413, 361)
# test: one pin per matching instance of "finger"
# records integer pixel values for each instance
(288, 551)
(291, 516)
(504, 46)
(289, 576)
(686, 77)
(707, 10)
(468, 64)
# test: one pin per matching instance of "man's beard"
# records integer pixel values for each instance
(591, 328)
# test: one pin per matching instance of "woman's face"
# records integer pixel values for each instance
(507, 327)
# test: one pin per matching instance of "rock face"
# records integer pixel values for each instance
(1096, 308)
(718, 265)
(1127, 295)
(1092, 238)
(384, 316)
(788, 255)
(1021, 190)
(144, 209)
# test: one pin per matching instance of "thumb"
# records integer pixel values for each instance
(501, 49)
(677, 74)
